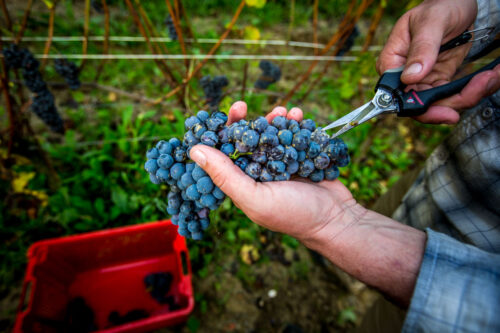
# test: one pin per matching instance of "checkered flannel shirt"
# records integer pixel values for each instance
(456, 199)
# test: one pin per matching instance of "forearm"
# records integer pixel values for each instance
(377, 250)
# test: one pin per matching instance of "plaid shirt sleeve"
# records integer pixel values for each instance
(488, 16)
(458, 289)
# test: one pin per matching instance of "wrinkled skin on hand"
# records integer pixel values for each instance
(298, 207)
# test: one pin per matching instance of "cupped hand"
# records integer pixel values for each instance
(298, 207)
(415, 41)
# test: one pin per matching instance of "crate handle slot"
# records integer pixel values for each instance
(185, 270)
(25, 296)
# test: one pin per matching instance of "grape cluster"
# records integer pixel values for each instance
(265, 152)
(69, 71)
(43, 104)
(348, 44)
(97, 6)
(172, 33)
(213, 89)
(271, 73)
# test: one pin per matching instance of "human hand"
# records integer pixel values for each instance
(297, 207)
(415, 41)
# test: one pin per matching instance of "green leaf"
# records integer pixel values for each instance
(346, 315)
(193, 324)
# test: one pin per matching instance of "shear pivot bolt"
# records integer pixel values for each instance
(384, 100)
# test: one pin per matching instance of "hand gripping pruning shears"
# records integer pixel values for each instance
(390, 95)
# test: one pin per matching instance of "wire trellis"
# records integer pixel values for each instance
(263, 42)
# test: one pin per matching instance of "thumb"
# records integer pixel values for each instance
(426, 38)
(224, 173)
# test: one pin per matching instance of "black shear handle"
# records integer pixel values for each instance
(415, 103)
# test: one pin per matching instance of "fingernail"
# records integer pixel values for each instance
(198, 157)
(413, 69)
(491, 85)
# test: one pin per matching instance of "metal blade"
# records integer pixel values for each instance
(348, 117)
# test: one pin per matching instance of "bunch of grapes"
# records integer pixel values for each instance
(348, 44)
(213, 89)
(265, 152)
(271, 73)
(69, 71)
(43, 104)
(97, 6)
(172, 33)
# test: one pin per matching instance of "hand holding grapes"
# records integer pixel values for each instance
(324, 217)
(298, 207)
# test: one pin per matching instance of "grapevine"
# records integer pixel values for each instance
(265, 152)
(69, 71)
(43, 104)
(213, 89)
(172, 33)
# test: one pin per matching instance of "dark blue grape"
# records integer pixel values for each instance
(332, 173)
(198, 130)
(190, 122)
(204, 222)
(277, 153)
(152, 153)
(293, 126)
(180, 154)
(187, 180)
(317, 176)
(301, 156)
(276, 167)
(209, 138)
(227, 148)
(285, 136)
(151, 166)
(190, 139)
(192, 192)
(207, 200)
(260, 124)
(259, 156)
(177, 170)
(198, 173)
(322, 161)
(202, 115)
(268, 139)
(162, 175)
(218, 194)
(265, 175)
(271, 130)
(253, 169)
(153, 179)
(223, 135)
(279, 122)
(305, 168)
(165, 148)
(292, 167)
(308, 124)
(174, 142)
(250, 138)
(300, 141)
(241, 147)
(165, 161)
(205, 185)
(290, 155)
(313, 150)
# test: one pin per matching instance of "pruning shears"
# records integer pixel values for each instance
(390, 95)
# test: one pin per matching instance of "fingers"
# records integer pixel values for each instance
(395, 50)
(277, 111)
(224, 173)
(426, 37)
(237, 112)
(295, 114)
(481, 85)
(439, 115)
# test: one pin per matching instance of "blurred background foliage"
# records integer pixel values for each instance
(92, 177)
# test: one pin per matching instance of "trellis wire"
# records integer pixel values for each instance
(196, 56)
(275, 42)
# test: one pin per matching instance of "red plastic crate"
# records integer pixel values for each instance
(107, 269)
